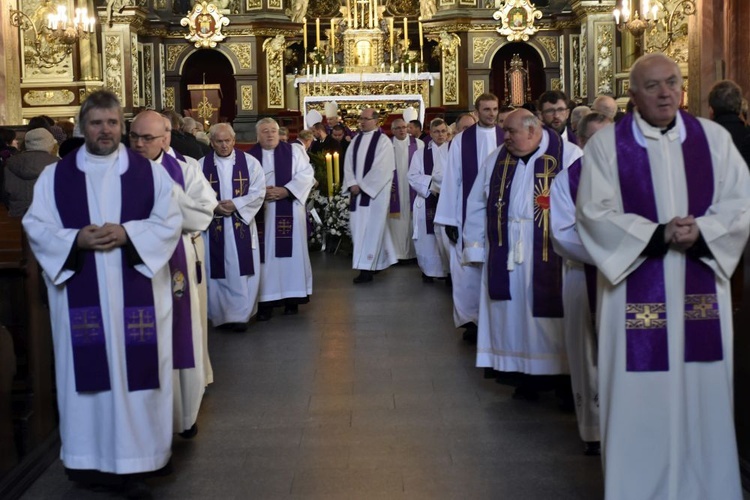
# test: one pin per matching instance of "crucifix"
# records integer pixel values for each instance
(241, 180)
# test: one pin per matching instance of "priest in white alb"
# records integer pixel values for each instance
(149, 137)
(286, 275)
(507, 229)
(405, 147)
(425, 178)
(663, 209)
(368, 174)
(232, 246)
(103, 224)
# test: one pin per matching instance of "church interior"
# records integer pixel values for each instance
(345, 401)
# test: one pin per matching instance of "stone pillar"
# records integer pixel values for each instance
(10, 71)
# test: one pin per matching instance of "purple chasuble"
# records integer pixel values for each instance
(364, 198)
(574, 179)
(284, 223)
(90, 363)
(243, 238)
(182, 324)
(547, 270)
(646, 309)
(430, 203)
(470, 163)
(395, 207)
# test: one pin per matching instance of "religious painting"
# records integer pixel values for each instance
(205, 22)
(363, 51)
(517, 20)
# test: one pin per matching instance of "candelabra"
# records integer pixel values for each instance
(54, 38)
(629, 20)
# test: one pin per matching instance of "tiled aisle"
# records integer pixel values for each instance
(368, 393)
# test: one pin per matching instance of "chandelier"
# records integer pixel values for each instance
(53, 38)
(652, 14)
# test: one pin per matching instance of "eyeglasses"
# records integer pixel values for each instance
(148, 139)
(554, 111)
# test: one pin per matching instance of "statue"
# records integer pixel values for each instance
(116, 6)
(298, 11)
(427, 9)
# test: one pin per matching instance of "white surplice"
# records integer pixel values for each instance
(197, 202)
(432, 256)
(288, 277)
(509, 337)
(578, 328)
(373, 246)
(668, 434)
(400, 225)
(234, 298)
(450, 212)
(115, 431)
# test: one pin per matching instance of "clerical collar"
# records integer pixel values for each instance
(525, 159)
(670, 126)
(158, 158)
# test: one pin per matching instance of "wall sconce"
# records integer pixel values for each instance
(54, 38)
(653, 14)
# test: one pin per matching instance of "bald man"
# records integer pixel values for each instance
(507, 230)
(605, 105)
(149, 137)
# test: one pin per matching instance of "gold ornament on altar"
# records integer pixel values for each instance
(517, 17)
(205, 22)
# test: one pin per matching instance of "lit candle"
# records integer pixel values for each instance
(336, 174)
(304, 34)
(654, 11)
(402, 68)
(333, 37)
(369, 13)
(646, 9)
(355, 14)
(617, 16)
(362, 17)
(406, 35)
(375, 13)
(421, 34)
(317, 32)
(390, 25)
(329, 173)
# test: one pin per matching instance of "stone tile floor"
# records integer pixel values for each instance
(368, 393)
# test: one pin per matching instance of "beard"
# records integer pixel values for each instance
(99, 149)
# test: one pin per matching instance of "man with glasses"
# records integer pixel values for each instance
(368, 176)
(103, 224)
(399, 214)
(553, 106)
(149, 137)
(663, 210)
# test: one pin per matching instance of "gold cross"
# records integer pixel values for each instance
(647, 316)
(550, 165)
(242, 185)
(140, 326)
(703, 307)
(284, 226)
(212, 181)
(87, 327)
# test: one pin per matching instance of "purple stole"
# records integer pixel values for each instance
(430, 203)
(182, 324)
(547, 271)
(284, 223)
(179, 156)
(395, 207)
(364, 198)
(571, 135)
(574, 179)
(469, 161)
(646, 310)
(90, 363)
(242, 234)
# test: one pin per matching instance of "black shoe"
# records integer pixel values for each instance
(593, 449)
(525, 394)
(291, 309)
(449, 281)
(490, 373)
(470, 334)
(363, 277)
(135, 489)
(264, 314)
(426, 279)
(190, 433)
(239, 327)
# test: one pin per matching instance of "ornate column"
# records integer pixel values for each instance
(593, 53)
(275, 82)
(10, 72)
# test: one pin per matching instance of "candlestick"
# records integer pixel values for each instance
(349, 13)
(406, 35)
(317, 32)
(304, 34)
(336, 173)
(333, 38)
(329, 173)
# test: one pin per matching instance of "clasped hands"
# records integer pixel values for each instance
(103, 238)
(276, 193)
(225, 208)
(681, 232)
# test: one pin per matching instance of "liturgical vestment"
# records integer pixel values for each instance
(400, 222)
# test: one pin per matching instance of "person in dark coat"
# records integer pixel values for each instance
(725, 106)
(22, 170)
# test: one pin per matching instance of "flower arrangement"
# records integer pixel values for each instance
(334, 217)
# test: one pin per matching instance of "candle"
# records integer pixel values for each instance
(406, 35)
(369, 13)
(349, 13)
(421, 34)
(329, 173)
(402, 68)
(317, 32)
(646, 9)
(362, 16)
(617, 16)
(336, 174)
(304, 34)
(333, 37)
(355, 14)
(390, 26)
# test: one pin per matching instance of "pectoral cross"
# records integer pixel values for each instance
(86, 328)
(241, 190)
(141, 326)
(647, 316)
(284, 226)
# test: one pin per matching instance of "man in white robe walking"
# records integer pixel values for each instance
(149, 138)
(663, 209)
(520, 308)
(103, 224)
(467, 152)
(425, 178)
(232, 248)
(368, 175)
(286, 275)
(400, 224)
